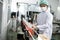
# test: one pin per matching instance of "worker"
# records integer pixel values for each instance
(44, 22)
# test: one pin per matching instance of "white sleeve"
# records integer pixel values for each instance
(47, 24)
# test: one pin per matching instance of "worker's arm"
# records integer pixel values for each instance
(46, 25)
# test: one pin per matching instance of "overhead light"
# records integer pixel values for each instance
(58, 8)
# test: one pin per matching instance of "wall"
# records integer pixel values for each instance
(54, 5)
(58, 11)
(13, 6)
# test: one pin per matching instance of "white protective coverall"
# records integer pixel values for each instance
(44, 21)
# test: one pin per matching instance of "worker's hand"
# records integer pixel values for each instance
(34, 26)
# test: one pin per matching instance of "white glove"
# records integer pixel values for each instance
(39, 38)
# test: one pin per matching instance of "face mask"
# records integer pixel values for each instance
(43, 8)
